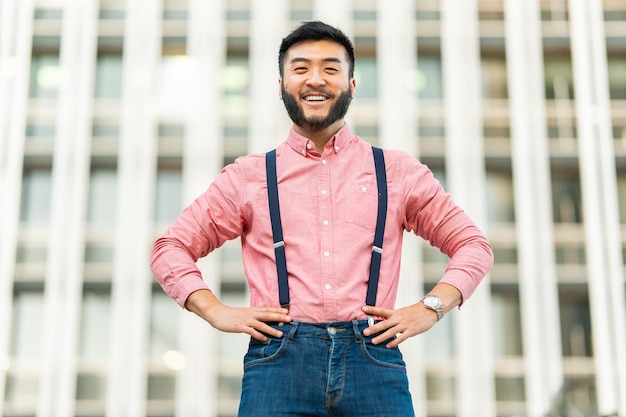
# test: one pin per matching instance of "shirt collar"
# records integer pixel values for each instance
(302, 145)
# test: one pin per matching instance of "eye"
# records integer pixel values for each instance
(300, 69)
(331, 69)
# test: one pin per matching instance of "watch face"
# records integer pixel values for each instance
(430, 301)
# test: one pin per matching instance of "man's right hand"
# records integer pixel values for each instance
(250, 320)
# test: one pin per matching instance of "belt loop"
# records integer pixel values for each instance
(292, 331)
(357, 332)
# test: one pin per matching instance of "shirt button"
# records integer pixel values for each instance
(328, 286)
(332, 330)
(336, 148)
(364, 189)
(309, 146)
(324, 162)
(324, 192)
(326, 253)
(325, 222)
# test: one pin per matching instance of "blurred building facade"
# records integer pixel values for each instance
(115, 114)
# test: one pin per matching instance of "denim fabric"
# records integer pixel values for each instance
(324, 369)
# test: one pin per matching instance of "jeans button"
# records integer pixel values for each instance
(332, 330)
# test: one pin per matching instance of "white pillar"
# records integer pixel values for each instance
(197, 382)
(335, 13)
(397, 61)
(533, 207)
(269, 122)
(465, 168)
(600, 205)
(16, 28)
(70, 177)
(131, 281)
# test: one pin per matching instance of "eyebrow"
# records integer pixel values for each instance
(301, 59)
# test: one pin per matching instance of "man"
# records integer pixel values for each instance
(323, 262)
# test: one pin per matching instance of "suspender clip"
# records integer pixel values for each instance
(279, 244)
(377, 249)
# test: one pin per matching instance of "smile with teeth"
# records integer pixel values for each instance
(315, 98)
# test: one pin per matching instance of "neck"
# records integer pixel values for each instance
(321, 137)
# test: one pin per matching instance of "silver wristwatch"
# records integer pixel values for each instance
(432, 302)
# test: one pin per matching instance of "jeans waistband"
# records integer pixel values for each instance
(330, 330)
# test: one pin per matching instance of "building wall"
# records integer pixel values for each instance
(115, 114)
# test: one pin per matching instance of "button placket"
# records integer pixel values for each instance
(330, 303)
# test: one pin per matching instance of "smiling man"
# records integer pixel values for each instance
(314, 216)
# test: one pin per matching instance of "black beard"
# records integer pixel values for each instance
(316, 124)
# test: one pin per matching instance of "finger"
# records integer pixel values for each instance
(377, 311)
(390, 333)
(395, 342)
(378, 327)
(268, 330)
(256, 334)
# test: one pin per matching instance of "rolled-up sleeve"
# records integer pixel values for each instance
(204, 225)
(433, 215)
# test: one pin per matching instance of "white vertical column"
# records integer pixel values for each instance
(131, 281)
(196, 387)
(466, 178)
(599, 194)
(533, 207)
(335, 13)
(66, 246)
(396, 48)
(269, 122)
(16, 29)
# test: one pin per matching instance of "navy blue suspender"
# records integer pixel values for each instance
(277, 229)
(381, 219)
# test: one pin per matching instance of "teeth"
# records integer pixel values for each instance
(315, 98)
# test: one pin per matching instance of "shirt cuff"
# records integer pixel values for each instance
(185, 287)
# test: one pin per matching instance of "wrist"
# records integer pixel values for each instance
(433, 302)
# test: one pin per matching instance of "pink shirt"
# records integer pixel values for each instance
(328, 207)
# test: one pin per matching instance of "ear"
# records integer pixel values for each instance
(352, 87)
(280, 90)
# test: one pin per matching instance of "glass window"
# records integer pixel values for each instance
(617, 77)
(44, 76)
(235, 83)
(575, 323)
(168, 196)
(500, 197)
(366, 76)
(621, 194)
(507, 333)
(95, 324)
(108, 81)
(559, 82)
(26, 329)
(566, 199)
(163, 330)
(36, 189)
(428, 77)
(102, 196)
(494, 78)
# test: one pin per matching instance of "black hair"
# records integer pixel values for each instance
(315, 31)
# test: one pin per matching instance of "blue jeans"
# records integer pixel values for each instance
(324, 369)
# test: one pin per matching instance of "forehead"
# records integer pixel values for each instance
(316, 51)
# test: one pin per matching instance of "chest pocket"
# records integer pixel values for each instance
(359, 204)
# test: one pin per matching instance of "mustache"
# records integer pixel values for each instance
(317, 91)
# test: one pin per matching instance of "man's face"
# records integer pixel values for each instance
(316, 87)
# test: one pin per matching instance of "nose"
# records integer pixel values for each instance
(316, 78)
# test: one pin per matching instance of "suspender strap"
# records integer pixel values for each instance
(277, 228)
(377, 249)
